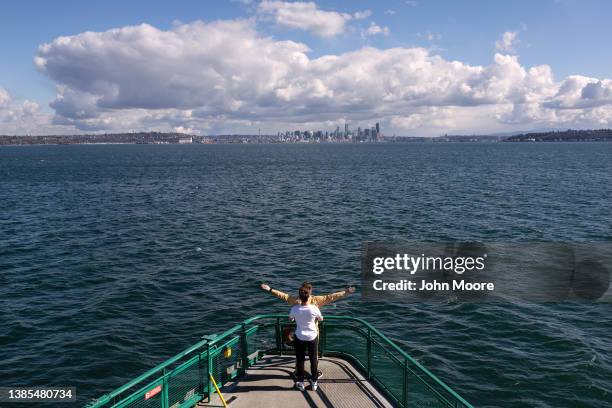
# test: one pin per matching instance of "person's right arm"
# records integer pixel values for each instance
(292, 314)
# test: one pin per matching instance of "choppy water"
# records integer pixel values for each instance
(113, 258)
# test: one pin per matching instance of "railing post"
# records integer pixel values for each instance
(279, 335)
(164, 398)
(323, 338)
(209, 369)
(405, 389)
(369, 354)
(201, 381)
(245, 349)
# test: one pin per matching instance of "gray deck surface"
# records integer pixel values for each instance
(269, 383)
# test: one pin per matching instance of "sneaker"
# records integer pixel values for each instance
(300, 385)
(315, 385)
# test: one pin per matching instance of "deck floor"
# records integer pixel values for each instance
(270, 383)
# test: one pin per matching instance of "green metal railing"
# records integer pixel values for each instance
(183, 380)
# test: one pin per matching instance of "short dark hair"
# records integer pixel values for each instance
(304, 293)
(307, 285)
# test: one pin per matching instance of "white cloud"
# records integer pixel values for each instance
(23, 117)
(308, 17)
(361, 15)
(5, 98)
(411, 3)
(375, 29)
(577, 92)
(12, 110)
(429, 36)
(182, 129)
(226, 76)
(390, 12)
(436, 117)
(507, 42)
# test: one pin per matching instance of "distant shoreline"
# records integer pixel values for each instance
(596, 135)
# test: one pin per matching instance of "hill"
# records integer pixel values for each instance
(570, 135)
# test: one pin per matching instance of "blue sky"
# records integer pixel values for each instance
(570, 37)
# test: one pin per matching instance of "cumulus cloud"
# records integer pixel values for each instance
(12, 110)
(201, 76)
(5, 98)
(507, 41)
(579, 92)
(308, 16)
(23, 117)
(375, 29)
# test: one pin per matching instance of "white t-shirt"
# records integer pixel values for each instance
(304, 317)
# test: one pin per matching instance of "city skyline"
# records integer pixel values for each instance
(358, 134)
(202, 67)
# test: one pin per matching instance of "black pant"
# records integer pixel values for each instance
(313, 353)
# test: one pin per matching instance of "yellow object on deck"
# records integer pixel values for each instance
(218, 391)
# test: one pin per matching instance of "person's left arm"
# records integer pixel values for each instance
(332, 297)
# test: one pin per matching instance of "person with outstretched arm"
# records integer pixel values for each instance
(306, 316)
(318, 301)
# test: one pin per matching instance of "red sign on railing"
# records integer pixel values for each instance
(152, 392)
